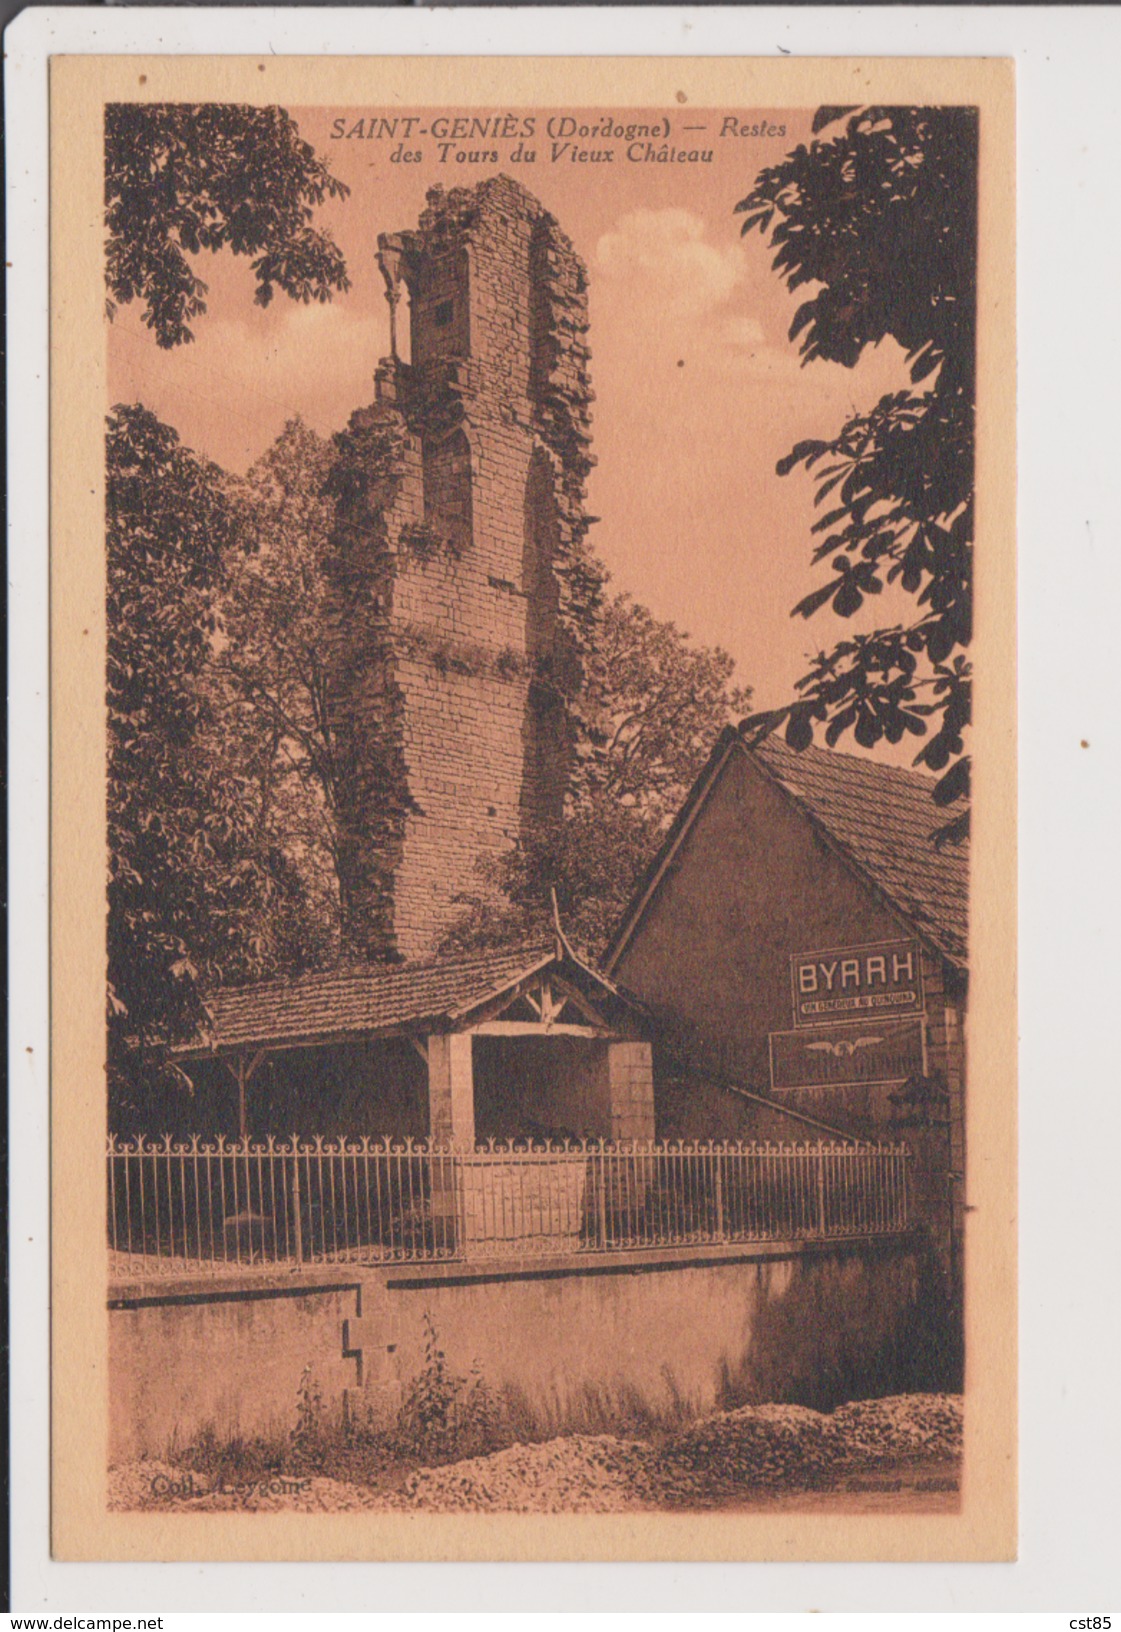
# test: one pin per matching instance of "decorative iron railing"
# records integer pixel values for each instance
(208, 1206)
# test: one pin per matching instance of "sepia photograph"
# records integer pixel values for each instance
(536, 620)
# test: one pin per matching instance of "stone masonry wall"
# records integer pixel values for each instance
(492, 587)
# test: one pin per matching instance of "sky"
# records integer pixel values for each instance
(698, 390)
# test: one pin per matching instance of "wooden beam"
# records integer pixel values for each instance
(571, 995)
(239, 1078)
(241, 1069)
(490, 1008)
(548, 1013)
(421, 1048)
(535, 1028)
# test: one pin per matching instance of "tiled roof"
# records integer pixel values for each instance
(372, 999)
(883, 818)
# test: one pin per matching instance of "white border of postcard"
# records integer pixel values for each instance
(1069, 119)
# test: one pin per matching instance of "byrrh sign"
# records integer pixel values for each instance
(848, 983)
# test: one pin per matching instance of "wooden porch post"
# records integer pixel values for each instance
(241, 1070)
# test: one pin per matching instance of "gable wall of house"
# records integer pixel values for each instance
(752, 884)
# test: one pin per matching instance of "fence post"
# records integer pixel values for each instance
(602, 1199)
(461, 1171)
(719, 1197)
(821, 1187)
(905, 1164)
(296, 1207)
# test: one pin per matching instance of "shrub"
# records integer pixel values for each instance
(307, 1435)
(446, 1417)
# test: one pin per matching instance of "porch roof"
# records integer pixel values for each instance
(385, 1000)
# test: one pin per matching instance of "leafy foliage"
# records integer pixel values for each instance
(592, 859)
(308, 1430)
(182, 178)
(272, 664)
(653, 705)
(444, 1416)
(307, 693)
(196, 892)
(657, 704)
(371, 794)
(879, 218)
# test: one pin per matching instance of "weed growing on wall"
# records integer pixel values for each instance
(621, 1409)
(308, 1431)
(446, 1416)
(232, 1457)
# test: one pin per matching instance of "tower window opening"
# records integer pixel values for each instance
(442, 316)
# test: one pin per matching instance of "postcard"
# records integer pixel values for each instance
(533, 841)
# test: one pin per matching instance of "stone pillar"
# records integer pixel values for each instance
(630, 1090)
(451, 1090)
(451, 1122)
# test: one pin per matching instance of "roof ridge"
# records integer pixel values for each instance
(404, 966)
(879, 767)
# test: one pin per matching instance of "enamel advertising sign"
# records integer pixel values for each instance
(878, 1052)
(850, 983)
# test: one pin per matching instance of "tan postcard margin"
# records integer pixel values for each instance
(82, 1528)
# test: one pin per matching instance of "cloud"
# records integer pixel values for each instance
(742, 333)
(663, 256)
(663, 262)
(230, 392)
(311, 342)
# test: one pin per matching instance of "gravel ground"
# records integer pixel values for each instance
(762, 1448)
(584, 1473)
(769, 1447)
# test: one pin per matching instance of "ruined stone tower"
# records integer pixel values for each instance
(466, 588)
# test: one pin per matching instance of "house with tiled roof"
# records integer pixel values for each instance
(802, 940)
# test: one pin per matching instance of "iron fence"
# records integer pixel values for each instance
(207, 1206)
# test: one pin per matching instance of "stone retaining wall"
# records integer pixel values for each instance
(231, 1352)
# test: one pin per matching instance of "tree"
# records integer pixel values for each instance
(654, 705)
(273, 661)
(307, 663)
(880, 218)
(194, 894)
(182, 178)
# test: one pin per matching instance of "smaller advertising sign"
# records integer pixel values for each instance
(882, 1051)
(851, 982)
